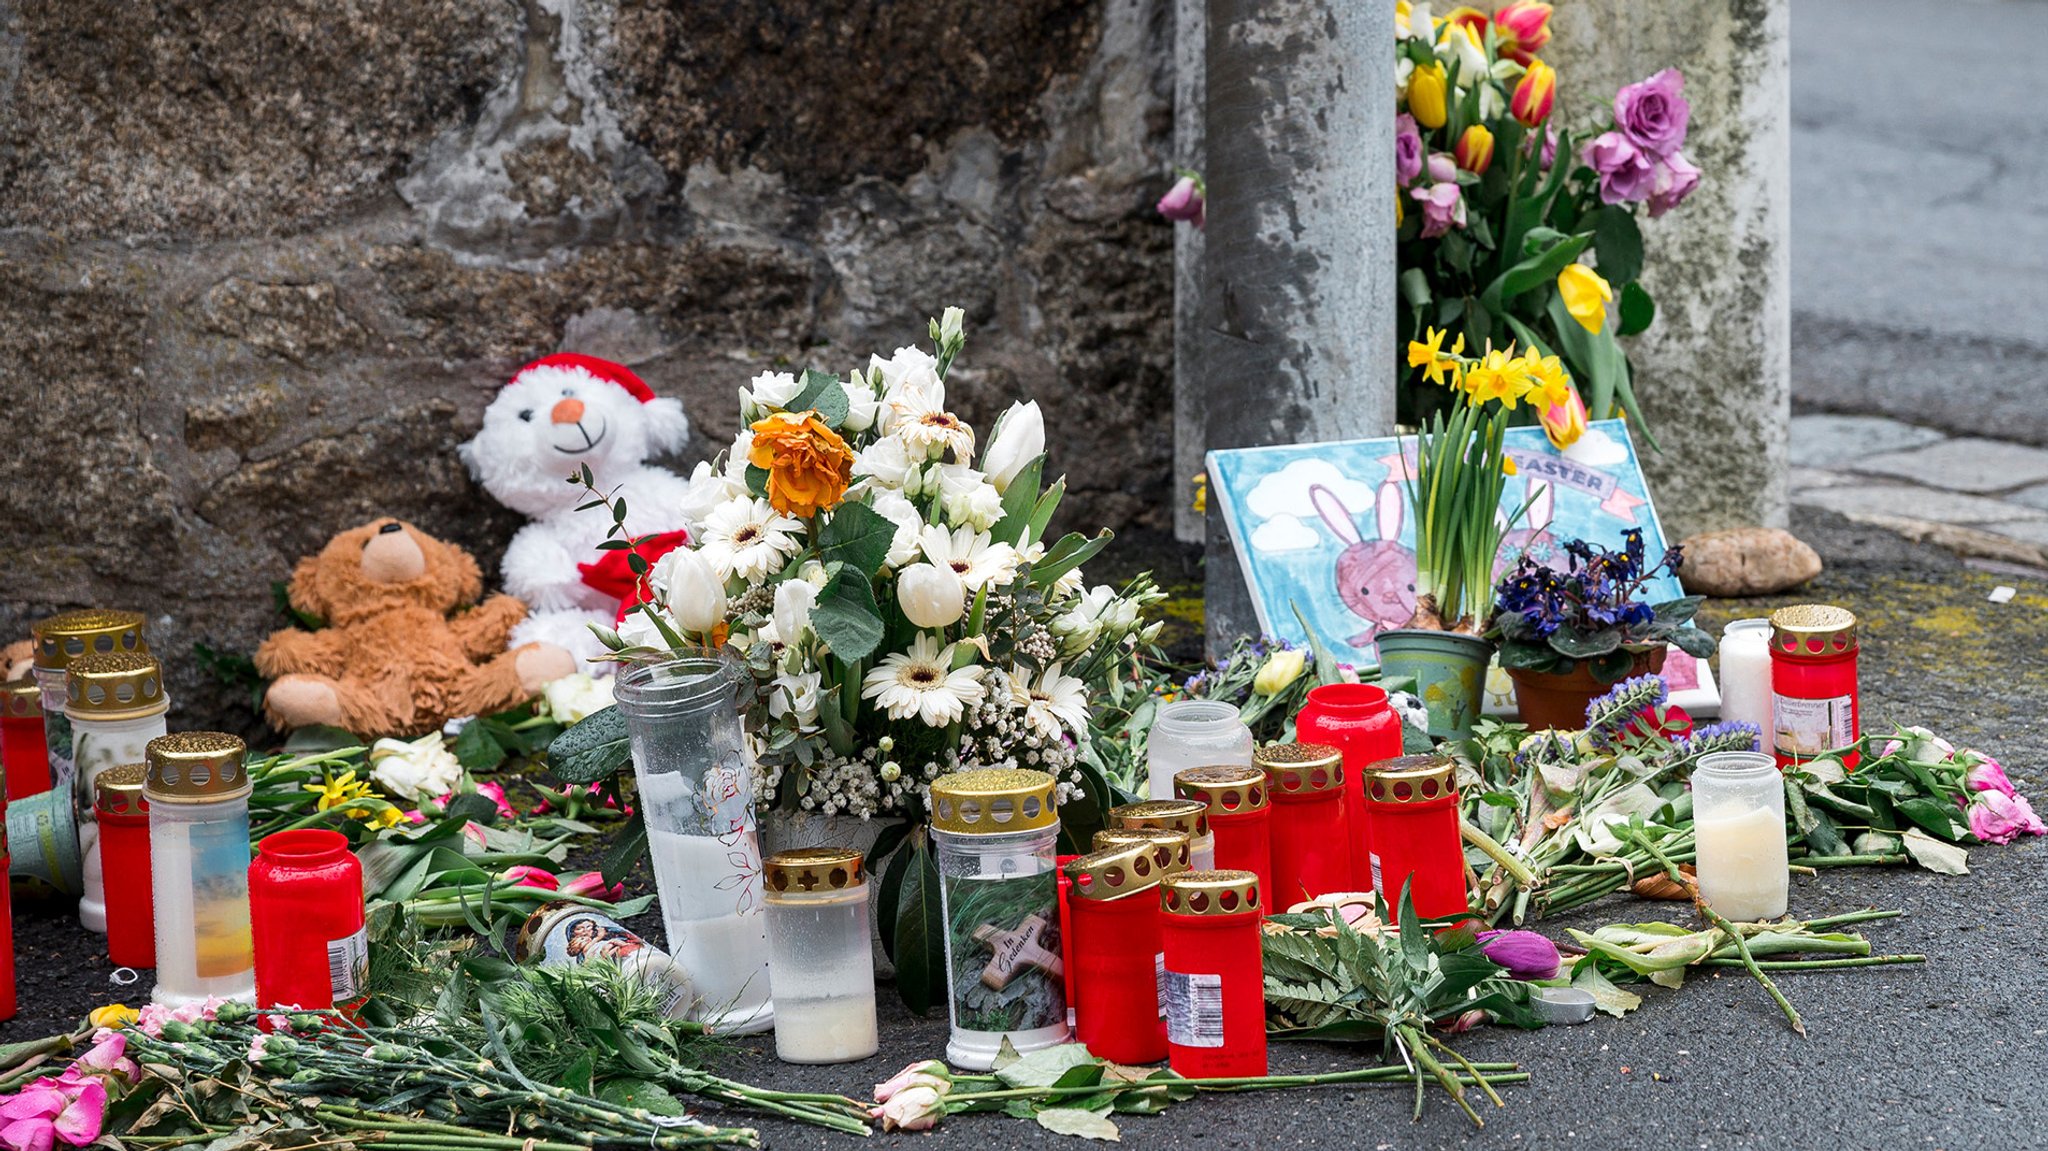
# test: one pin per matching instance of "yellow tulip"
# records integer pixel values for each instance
(1426, 95)
(1585, 296)
(1280, 669)
(112, 1015)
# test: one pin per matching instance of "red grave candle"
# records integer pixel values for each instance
(24, 756)
(1066, 935)
(1240, 816)
(123, 817)
(1214, 984)
(1357, 720)
(1815, 704)
(1412, 802)
(1114, 905)
(6, 935)
(306, 918)
(1311, 844)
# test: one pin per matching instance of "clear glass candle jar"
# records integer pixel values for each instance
(697, 797)
(1738, 811)
(994, 833)
(116, 705)
(1193, 733)
(565, 934)
(821, 955)
(1189, 817)
(59, 640)
(1746, 674)
(198, 793)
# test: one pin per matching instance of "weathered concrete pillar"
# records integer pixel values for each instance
(1190, 54)
(1714, 371)
(1297, 320)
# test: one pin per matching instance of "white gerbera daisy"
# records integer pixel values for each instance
(747, 538)
(921, 682)
(920, 420)
(974, 557)
(1050, 700)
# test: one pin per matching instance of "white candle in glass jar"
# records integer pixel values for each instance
(1739, 818)
(1746, 673)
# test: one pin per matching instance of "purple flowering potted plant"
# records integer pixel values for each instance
(1566, 636)
(1517, 219)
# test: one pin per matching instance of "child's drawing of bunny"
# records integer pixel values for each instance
(1375, 578)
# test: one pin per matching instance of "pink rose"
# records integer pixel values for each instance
(1626, 174)
(1653, 113)
(929, 1073)
(1996, 817)
(68, 1108)
(1443, 208)
(1675, 180)
(1987, 774)
(911, 1109)
(109, 1056)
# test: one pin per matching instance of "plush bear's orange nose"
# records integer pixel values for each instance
(567, 411)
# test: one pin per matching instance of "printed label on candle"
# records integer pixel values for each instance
(1194, 1010)
(1374, 858)
(1159, 981)
(348, 964)
(1809, 727)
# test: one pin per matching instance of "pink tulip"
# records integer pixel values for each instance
(591, 885)
(911, 1109)
(526, 876)
(1407, 149)
(1526, 954)
(1443, 208)
(1183, 202)
(495, 792)
(1996, 817)
(1987, 774)
(929, 1073)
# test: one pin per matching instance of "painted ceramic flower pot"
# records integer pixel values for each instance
(1549, 700)
(1449, 670)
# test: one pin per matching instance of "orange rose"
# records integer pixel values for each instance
(808, 464)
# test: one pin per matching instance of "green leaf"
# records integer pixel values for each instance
(1695, 642)
(1415, 288)
(1048, 1065)
(578, 1076)
(647, 1095)
(1612, 667)
(1638, 310)
(821, 394)
(920, 935)
(1618, 243)
(845, 617)
(1073, 550)
(1074, 1121)
(475, 749)
(1020, 500)
(857, 536)
(1934, 855)
(1516, 655)
(1047, 505)
(1678, 610)
(1533, 272)
(592, 750)
(1937, 816)
(890, 896)
(757, 482)
(1569, 641)
(1587, 977)
(626, 850)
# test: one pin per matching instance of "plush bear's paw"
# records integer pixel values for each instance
(295, 701)
(540, 664)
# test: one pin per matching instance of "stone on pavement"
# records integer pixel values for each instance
(1747, 561)
(1822, 441)
(1964, 465)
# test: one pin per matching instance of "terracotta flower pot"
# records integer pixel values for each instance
(1549, 700)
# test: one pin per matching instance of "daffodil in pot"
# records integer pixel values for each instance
(1454, 488)
(1567, 636)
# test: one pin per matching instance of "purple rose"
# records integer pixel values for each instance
(1652, 113)
(1675, 180)
(1626, 174)
(1407, 149)
(1443, 207)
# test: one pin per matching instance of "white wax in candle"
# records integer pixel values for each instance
(827, 1029)
(720, 943)
(1746, 679)
(1742, 862)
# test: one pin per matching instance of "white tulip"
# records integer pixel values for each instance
(638, 628)
(792, 614)
(1018, 439)
(695, 596)
(930, 595)
(414, 769)
(861, 404)
(897, 509)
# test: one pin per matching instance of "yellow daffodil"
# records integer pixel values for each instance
(1428, 354)
(1426, 95)
(1507, 466)
(1549, 383)
(112, 1015)
(339, 789)
(1497, 376)
(1585, 296)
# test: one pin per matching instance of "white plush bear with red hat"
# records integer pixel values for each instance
(556, 415)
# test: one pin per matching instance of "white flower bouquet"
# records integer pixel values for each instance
(891, 590)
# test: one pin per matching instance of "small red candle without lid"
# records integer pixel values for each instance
(1412, 801)
(1357, 720)
(1815, 702)
(1311, 841)
(306, 917)
(1215, 997)
(123, 817)
(1240, 816)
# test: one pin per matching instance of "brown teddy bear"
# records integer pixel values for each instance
(396, 656)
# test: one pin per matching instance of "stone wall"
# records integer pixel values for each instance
(261, 265)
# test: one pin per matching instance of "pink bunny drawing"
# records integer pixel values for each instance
(1375, 578)
(1532, 536)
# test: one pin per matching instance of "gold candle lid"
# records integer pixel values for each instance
(812, 869)
(21, 698)
(68, 635)
(1227, 790)
(118, 790)
(120, 685)
(1301, 768)
(1190, 817)
(1812, 629)
(1411, 779)
(993, 801)
(1173, 843)
(1123, 870)
(1209, 893)
(196, 767)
